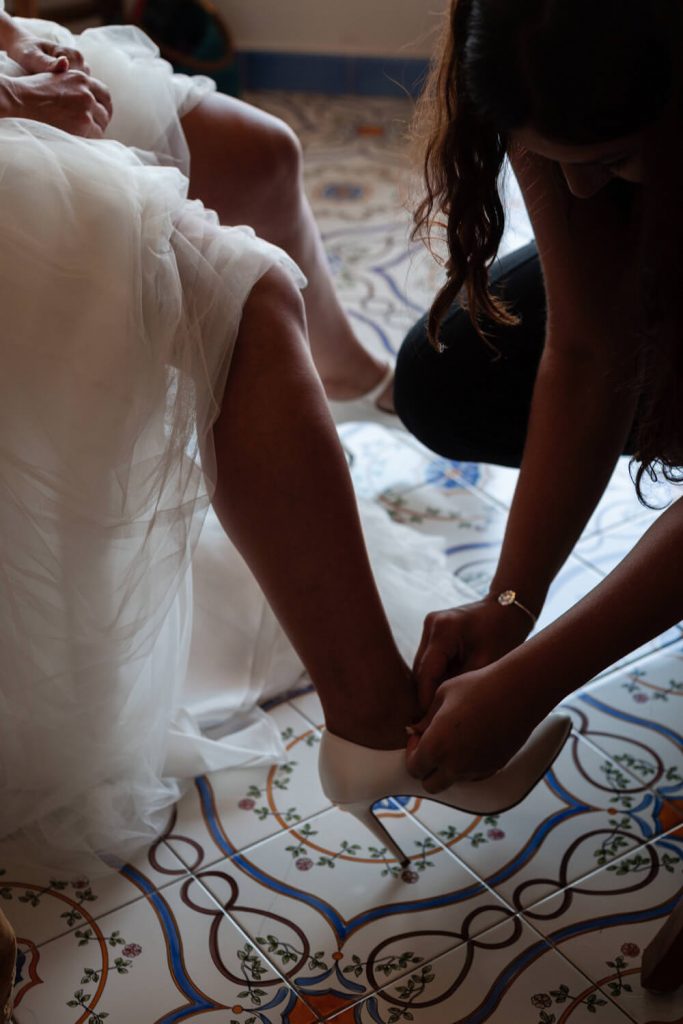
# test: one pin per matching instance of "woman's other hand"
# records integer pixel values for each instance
(70, 100)
(464, 639)
(476, 723)
(36, 55)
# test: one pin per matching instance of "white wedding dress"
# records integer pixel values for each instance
(133, 651)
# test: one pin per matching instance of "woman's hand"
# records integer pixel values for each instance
(464, 639)
(476, 723)
(72, 101)
(36, 55)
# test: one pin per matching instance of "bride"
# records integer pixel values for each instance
(155, 363)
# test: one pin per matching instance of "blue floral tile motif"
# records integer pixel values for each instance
(449, 474)
(343, 191)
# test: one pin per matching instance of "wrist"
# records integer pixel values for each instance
(515, 603)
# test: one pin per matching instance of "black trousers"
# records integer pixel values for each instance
(466, 403)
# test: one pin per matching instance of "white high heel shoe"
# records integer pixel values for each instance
(355, 777)
(364, 408)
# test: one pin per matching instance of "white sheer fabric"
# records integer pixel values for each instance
(120, 305)
(121, 302)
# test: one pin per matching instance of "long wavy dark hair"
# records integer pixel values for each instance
(579, 72)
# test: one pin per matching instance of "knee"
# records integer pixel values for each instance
(276, 303)
(287, 153)
(279, 160)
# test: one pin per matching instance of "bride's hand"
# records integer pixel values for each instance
(36, 55)
(72, 101)
(476, 723)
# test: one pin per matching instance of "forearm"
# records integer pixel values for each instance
(640, 599)
(577, 430)
(8, 30)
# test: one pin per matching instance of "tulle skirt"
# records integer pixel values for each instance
(135, 645)
(121, 302)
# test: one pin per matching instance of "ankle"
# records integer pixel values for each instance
(354, 378)
(377, 720)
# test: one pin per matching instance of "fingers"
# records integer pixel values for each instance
(102, 97)
(437, 656)
(430, 758)
(98, 104)
(424, 748)
(99, 121)
(424, 640)
(75, 59)
(36, 60)
(432, 671)
(439, 755)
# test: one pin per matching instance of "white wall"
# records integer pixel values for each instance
(374, 28)
(394, 28)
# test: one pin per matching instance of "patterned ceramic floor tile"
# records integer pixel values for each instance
(369, 124)
(337, 917)
(636, 716)
(470, 526)
(172, 955)
(606, 548)
(381, 460)
(573, 582)
(308, 705)
(473, 528)
(604, 924)
(42, 905)
(508, 974)
(584, 814)
(497, 482)
(226, 811)
(620, 503)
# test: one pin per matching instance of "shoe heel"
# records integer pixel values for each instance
(364, 814)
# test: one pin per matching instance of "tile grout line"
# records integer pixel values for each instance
(576, 967)
(250, 942)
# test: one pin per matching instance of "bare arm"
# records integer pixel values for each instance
(481, 718)
(582, 407)
(7, 29)
(581, 413)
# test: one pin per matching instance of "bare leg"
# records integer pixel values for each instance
(285, 498)
(247, 166)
